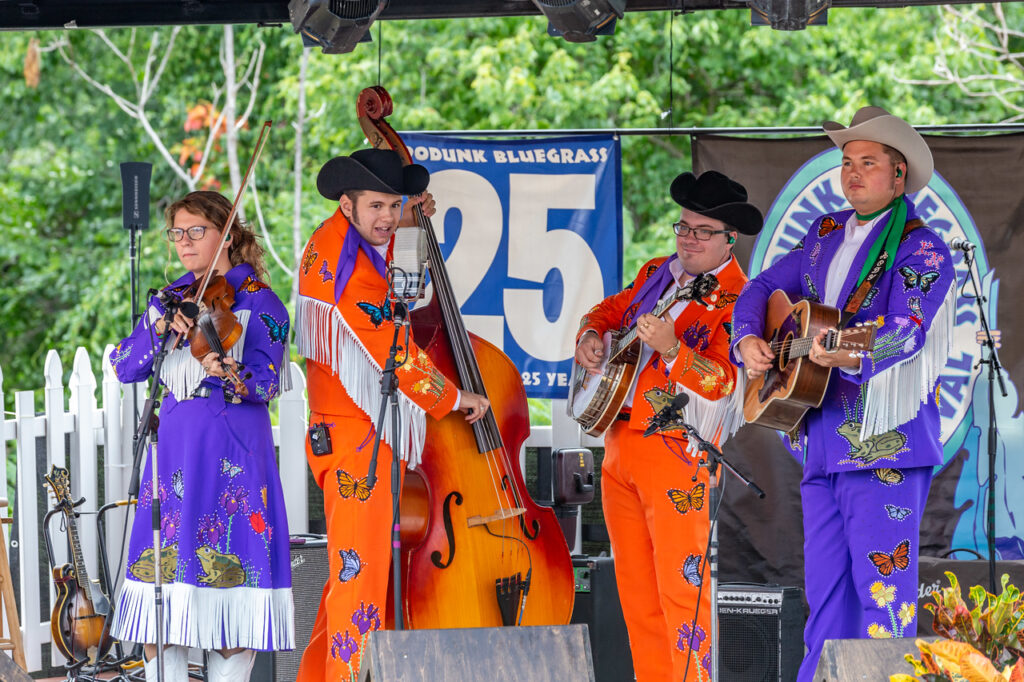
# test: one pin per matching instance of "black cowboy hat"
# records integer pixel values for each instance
(377, 170)
(715, 196)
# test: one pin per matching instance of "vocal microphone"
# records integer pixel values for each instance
(958, 244)
(668, 414)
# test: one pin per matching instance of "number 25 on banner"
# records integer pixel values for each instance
(533, 251)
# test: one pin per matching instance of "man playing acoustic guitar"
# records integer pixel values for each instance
(656, 515)
(869, 449)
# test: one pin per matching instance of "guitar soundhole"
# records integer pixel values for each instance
(784, 352)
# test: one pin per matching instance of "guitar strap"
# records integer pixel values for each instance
(856, 299)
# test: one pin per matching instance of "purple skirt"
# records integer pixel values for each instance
(225, 561)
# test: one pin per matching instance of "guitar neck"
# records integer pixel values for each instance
(78, 558)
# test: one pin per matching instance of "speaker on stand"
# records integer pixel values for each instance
(310, 569)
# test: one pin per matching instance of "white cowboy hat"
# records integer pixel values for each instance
(875, 124)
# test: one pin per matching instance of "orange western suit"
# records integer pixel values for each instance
(344, 329)
(656, 515)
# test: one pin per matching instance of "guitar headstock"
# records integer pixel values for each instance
(60, 482)
(857, 340)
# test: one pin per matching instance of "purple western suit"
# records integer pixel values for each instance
(869, 450)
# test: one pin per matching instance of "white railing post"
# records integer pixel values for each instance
(29, 428)
(116, 467)
(84, 464)
(291, 408)
(58, 422)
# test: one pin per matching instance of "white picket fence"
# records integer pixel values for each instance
(73, 429)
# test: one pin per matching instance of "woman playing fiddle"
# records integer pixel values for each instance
(224, 536)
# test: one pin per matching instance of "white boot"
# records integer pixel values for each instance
(175, 665)
(234, 668)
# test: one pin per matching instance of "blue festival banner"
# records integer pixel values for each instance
(531, 233)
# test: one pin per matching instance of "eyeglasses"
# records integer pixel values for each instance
(195, 233)
(700, 233)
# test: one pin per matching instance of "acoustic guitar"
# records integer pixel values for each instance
(79, 624)
(781, 397)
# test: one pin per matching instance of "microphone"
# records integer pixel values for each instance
(407, 270)
(958, 244)
(400, 312)
(668, 414)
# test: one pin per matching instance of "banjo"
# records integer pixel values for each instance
(595, 400)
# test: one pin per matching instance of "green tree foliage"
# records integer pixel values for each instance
(64, 256)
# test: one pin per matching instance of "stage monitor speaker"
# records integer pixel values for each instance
(843, 660)
(597, 605)
(555, 653)
(931, 575)
(309, 575)
(760, 631)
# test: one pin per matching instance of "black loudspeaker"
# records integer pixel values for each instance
(931, 575)
(865, 659)
(760, 632)
(309, 575)
(555, 653)
(597, 605)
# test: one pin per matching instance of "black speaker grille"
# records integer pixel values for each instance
(760, 632)
(354, 9)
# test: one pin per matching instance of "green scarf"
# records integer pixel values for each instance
(889, 238)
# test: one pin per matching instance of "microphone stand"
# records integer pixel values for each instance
(710, 460)
(147, 431)
(995, 374)
(389, 395)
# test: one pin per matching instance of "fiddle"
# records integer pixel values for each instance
(216, 329)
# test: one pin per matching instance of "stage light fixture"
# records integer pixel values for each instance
(789, 15)
(334, 25)
(579, 21)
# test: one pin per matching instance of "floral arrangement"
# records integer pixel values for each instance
(983, 643)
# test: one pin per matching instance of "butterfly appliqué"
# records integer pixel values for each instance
(228, 468)
(887, 564)
(308, 261)
(251, 285)
(378, 313)
(889, 476)
(277, 331)
(725, 298)
(325, 274)
(811, 289)
(897, 513)
(828, 226)
(687, 500)
(351, 565)
(691, 570)
(912, 279)
(349, 486)
(178, 483)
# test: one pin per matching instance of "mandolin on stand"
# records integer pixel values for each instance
(79, 624)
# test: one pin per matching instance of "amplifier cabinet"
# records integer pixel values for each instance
(760, 632)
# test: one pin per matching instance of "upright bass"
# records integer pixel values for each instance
(477, 550)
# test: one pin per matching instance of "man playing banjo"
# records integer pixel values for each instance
(656, 515)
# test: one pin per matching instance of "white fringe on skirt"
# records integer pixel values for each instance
(322, 335)
(895, 395)
(207, 617)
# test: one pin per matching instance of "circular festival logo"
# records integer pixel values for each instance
(815, 189)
